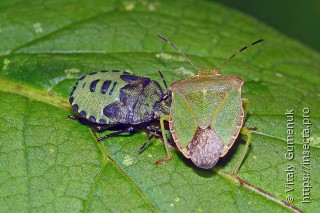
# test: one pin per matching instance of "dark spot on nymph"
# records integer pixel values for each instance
(102, 121)
(129, 77)
(111, 91)
(105, 86)
(71, 100)
(92, 119)
(83, 114)
(132, 79)
(73, 89)
(92, 73)
(82, 77)
(104, 71)
(75, 107)
(115, 70)
(93, 85)
(84, 84)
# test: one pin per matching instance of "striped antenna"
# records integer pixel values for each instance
(242, 49)
(175, 47)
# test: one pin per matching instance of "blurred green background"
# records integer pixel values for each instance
(299, 19)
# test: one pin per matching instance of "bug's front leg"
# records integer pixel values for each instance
(247, 132)
(165, 141)
(145, 143)
(153, 132)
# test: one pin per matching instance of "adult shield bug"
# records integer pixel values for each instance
(114, 97)
(207, 114)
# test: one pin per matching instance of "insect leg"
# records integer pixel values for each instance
(129, 129)
(165, 141)
(94, 126)
(85, 122)
(145, 143)
(245, 105)
(247, 132)
(153, 130)
(153, 133)
(73, 117)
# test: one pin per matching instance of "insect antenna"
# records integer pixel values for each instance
(163, 80)
(167, 95)
(175, 47)
(242, 49)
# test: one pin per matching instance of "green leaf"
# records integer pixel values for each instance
(51, 163)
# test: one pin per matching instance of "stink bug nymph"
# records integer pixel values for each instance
(114, 97)
(207, 114)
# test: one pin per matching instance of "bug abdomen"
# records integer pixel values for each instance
(95, 91)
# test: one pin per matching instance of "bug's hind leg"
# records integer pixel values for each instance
(247, 131)
(73, 117)
(165, 141)
(94, 126)
(113, 134)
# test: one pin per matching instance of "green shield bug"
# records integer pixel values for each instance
(114, 97)
(207, 114)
